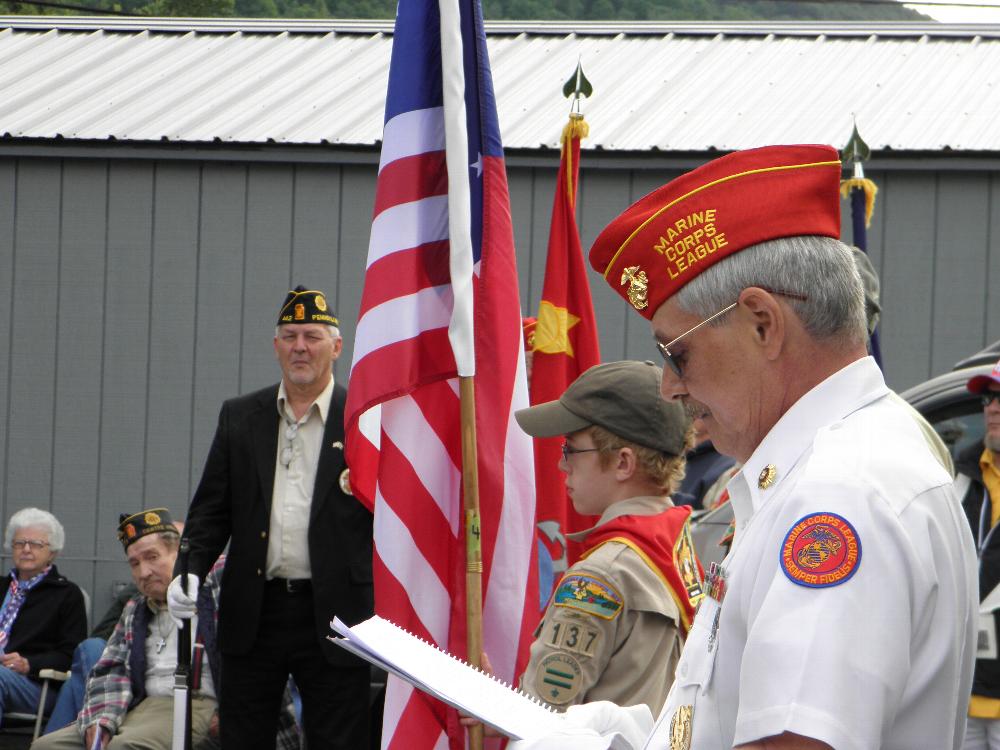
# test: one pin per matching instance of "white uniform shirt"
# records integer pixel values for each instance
(291, 498)
(883, 659)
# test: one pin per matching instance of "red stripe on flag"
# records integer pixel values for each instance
(399, 368)
(405, 272)
(409, 179)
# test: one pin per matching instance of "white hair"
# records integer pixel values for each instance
(36, 517)
(818, 268)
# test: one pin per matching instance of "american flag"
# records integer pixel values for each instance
(429, 234)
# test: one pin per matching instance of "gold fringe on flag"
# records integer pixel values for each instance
(870, 189)
(577, 127)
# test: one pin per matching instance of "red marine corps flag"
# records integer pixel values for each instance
(565, 344)
(440, 305)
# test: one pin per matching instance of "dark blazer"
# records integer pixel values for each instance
(233, 502)
(52, 620)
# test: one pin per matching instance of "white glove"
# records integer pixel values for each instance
(180, 605)
(596, 726)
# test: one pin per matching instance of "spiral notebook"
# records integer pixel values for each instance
(447, 678)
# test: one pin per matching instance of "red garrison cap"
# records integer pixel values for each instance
(670, 236)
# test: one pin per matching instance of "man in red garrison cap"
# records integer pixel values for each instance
(844, 616)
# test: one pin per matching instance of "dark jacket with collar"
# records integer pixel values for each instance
(233, 502)
(976, 502)
(52, 620)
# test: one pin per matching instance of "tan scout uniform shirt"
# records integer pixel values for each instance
(627, 655)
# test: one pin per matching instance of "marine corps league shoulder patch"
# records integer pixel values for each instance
(589, 594)
(820, 550)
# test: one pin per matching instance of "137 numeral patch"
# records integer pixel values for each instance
(575, 637)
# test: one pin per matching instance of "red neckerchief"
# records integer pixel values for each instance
(664, 542)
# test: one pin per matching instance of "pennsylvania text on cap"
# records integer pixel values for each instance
(306, 306)
(670, 236)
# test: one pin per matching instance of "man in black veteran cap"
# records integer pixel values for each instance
(615, 625)
(300, 547)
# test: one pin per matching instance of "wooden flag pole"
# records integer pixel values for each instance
(473, 546)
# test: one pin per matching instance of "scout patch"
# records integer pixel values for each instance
(571, 634)
(558, 679)
(820, 550)
(589, 594)
(684, 561)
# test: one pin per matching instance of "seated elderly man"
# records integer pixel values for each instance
(129, 697)
(844, 615)
(42, 616)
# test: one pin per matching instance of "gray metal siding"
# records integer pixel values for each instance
(139, 294)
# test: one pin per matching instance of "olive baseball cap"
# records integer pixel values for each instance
(623, 398)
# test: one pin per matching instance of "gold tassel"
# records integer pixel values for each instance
(577, 127)
(870, 188)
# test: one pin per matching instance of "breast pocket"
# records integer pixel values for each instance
(697, 662)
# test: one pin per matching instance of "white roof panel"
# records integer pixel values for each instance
(683, 86)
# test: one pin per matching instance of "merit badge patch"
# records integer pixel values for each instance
(820, 550)
(589, 594)
(558, 680)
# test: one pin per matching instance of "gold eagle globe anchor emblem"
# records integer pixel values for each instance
(638, 289)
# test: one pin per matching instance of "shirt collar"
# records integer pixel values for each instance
(322, 402)
(645, 505)
(986, 462)
(847, 390)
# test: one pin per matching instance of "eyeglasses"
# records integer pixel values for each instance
(989, 397)
(288, 452)
(674, 361)
(35, 544)
(568, 450)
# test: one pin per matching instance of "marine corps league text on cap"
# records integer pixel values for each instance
(303, 305)
(670, 236)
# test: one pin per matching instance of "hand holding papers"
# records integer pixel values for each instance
(449, 679)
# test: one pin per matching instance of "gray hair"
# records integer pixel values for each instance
(820, 268)
(36, 517)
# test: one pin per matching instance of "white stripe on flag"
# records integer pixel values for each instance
(401, 319)
(410, 133)
(460, 332)
(405, 426)
(408, 566)
(407, 226)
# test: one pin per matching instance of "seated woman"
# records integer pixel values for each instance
(42, 617)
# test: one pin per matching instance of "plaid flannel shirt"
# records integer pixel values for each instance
(109, 688)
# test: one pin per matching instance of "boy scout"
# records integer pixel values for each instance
(614, 627)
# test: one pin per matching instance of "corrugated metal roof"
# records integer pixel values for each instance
(685, 86)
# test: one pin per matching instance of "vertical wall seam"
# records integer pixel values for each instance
(193, 410)
(61, 198)
(243, 276)
(103, 391)
(149, 323)
(10, 336)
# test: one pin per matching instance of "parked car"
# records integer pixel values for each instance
(944, 401)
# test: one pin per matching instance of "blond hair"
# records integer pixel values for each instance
(662, 469)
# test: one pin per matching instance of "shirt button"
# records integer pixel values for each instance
(263, 535)
(258, 571)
